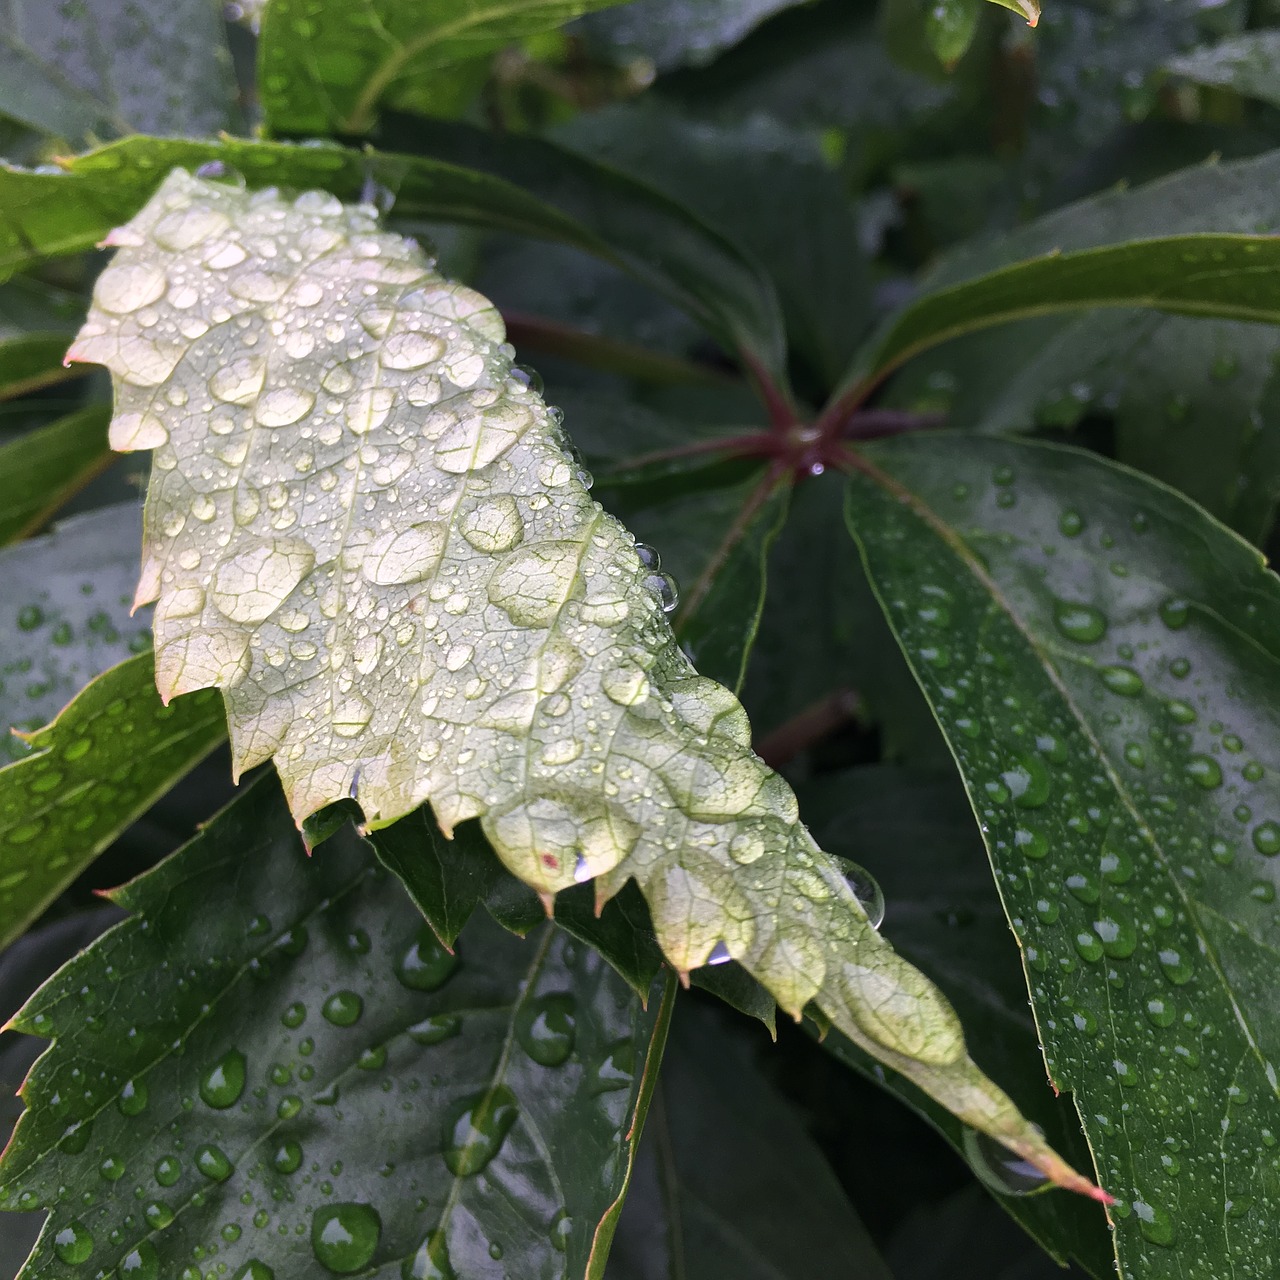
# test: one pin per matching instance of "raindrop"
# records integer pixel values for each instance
(344, 1237)
(431, 1261)
(1071, 524)
(528, 377)
(287, 1157)
(866, 888)
(1204, 771)
(158, 1215)
(343, 1009)
(1266, 838)
(213, 1163)
(168, 1170)
(73, 1244)
(1004, 1171)
(545, 1028)
(1079, 622)
(140, 1264)
(133, 1098)
(1028, 782)
(1154, 1223)
(1174, 613)
(255, 1270)
(294, 1016)
(663, 585)
(438, 1027)
(427, 965)
(476, 1128)
(1175, 966)
(1122, 680)
(561, 1230)
(222, 1085)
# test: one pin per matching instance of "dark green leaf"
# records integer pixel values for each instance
(88, 775)
(913, 831)
(673, 33)
(304, 1053)
(1102, 657)
(64, 607)
(330, 67)
(728, 1185)
(1229, 276)
(44, 467)
(85, 71)
(1247, 63)
(37, 324)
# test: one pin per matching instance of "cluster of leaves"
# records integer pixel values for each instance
(972, 529)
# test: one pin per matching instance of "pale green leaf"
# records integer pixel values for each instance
(366, 528)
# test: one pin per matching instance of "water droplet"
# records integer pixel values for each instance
(294, 1016)
(126, 287)
(168, 1170)
(1160, 1012)
(427, 964)
(1071, 524)
(1266, 838)
(73, 1244)
(222, 1085)
(438, 1027)
(1174, 613)
(1154, 1223)
(220, 171)
(1079, 622)
(344, 1237)
(1004, 1171)
(431, 1261)
(158, 1215)
(866, 888)
(255, 1270)
(1122, 680)
(142, 1263)
(1204, 771)
(1028, 782)
(545, 1028)
(254, 583)
(1175, 966)
(1032, 844)
(476, 1128)
(343, 1008)
(561, 1230)
(112, 1168)
(213, 1163)
(663, 585)
(30, 617)
(133, 1098)
(287, 1157)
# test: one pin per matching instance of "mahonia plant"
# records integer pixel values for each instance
(368, 530)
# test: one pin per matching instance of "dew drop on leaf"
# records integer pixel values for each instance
(438, 1027)
(73, 1244)
(426, 965)
(343, 1009)
(223, 1083)
(213, 1163)
(287, 1157)
(431, 1261)
(168, 1170)
(344, 1237)
(142, 1263)
(545, 1028)
(133, 1098)
(1079, 622)
(866, 888)
(476, 1128)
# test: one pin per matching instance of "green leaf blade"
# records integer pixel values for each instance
(319, 1023)
(1115, 739)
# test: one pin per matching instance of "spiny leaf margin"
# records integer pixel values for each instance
(507, 661)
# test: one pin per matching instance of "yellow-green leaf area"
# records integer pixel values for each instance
(369, 531)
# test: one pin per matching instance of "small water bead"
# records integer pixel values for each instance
(1180, 667)
(1004, 1171)
(427, 964)
(168, 1170)
(133, 1098)
(1079, 622)
(1119, 938)
(1204, 771)
(294, 1016)
(222, 1085)
(158, 1215)
(1122, 680)
(866, 888)
(476, 1128)
(1071, 524)
(344, 1237)
(560, 1231)
(1262, 891)
(287, 1157)
(1030, 843)
(546, 1027)
(1175, 966)
(1135, 754)
(1266, 838)
(1175, 612)
(112, 1169)
(289, 1106)
(1253, 772)
(1088, 946)
(343, 1009)
(1028, 782)
(213, 1163)
(73, 1244)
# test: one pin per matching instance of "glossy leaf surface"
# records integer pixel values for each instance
(314, 1084)
(728, 1184)
(331, 67)
(511, 660)
(1102, 657)
(80, 71)
(101, 764)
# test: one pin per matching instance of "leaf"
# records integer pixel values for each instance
(328, 68)
(623, 222)
(1195, 275)
(44, 467)
(1101, 656)
(913, 832)
(299, 1015)
(1246, 63)
(497, 668)
(672, 34)
(65, 612)
(99, 766)
(82, 71)
(728, 1185)
(36, 324)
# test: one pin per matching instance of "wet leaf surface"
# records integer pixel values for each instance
(510, 661)
(311, 1083)
(1102, 657)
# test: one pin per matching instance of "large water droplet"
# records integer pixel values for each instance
(73, 1244)
(664, 586)
(476, 1128)
(133, 1098)
(1154, 1223)
(431, 1261)
(344, 1237)
(1002, 1170)
(287, 1157)
(1204, 771)
(254, 583)
(1079, 622)
(343, 1008)
(213, 1163)
(1266, 838)
(866, 888)
(141, 1263)
(427, 964)
(545, 1028)
(222, 1085)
